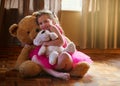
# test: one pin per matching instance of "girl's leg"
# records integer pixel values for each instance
(52, 72)
(64, 62)
(61, 75)
(34, 59)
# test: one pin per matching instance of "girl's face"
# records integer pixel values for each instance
(44, 22)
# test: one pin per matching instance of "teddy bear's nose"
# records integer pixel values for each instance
(37, 30)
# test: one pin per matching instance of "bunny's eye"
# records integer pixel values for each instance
(43, 32)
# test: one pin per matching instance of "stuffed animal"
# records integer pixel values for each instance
(25, 31)
(51, 51)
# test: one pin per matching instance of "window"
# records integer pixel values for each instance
(74, 5)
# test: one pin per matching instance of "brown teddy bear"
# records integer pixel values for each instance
(25, 31)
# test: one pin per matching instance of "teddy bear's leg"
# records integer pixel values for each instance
(53, 57)
(80, 69)
(29, 69)
(70, 48)
(64, 62)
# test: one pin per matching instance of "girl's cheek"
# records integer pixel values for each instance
(47, 25)
(40, 26)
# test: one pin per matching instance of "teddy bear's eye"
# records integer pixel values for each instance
(37, 30)
(28, 32)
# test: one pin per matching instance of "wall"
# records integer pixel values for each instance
(70, 21)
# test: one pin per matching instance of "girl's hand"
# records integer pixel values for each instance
(45, 44)
(49, 24)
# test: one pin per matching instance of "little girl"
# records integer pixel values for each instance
(76, 63)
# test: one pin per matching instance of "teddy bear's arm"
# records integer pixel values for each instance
(23, 56)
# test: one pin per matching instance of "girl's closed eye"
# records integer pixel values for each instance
(46, 21)
(40, 23)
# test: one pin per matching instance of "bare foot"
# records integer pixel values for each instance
(65, 76)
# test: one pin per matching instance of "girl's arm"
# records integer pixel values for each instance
(67, 39)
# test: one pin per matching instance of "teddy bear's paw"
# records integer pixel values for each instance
(29, 69)
(80, 69)
(70, 48)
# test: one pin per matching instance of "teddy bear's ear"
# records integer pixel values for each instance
(13, 30)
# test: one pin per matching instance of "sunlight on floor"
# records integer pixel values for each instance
(104, 74)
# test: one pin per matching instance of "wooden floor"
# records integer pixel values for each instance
(105, 71)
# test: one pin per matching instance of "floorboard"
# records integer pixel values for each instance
(103, 72)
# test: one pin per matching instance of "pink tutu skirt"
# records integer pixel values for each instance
(77, 57)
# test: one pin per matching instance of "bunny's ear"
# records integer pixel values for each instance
(35, 13)
(53, 35)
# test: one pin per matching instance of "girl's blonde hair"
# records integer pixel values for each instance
(51, 15)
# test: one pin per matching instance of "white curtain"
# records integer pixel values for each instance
(53, 5)
(100, 24)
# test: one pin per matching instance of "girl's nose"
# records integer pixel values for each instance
(43, 26)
